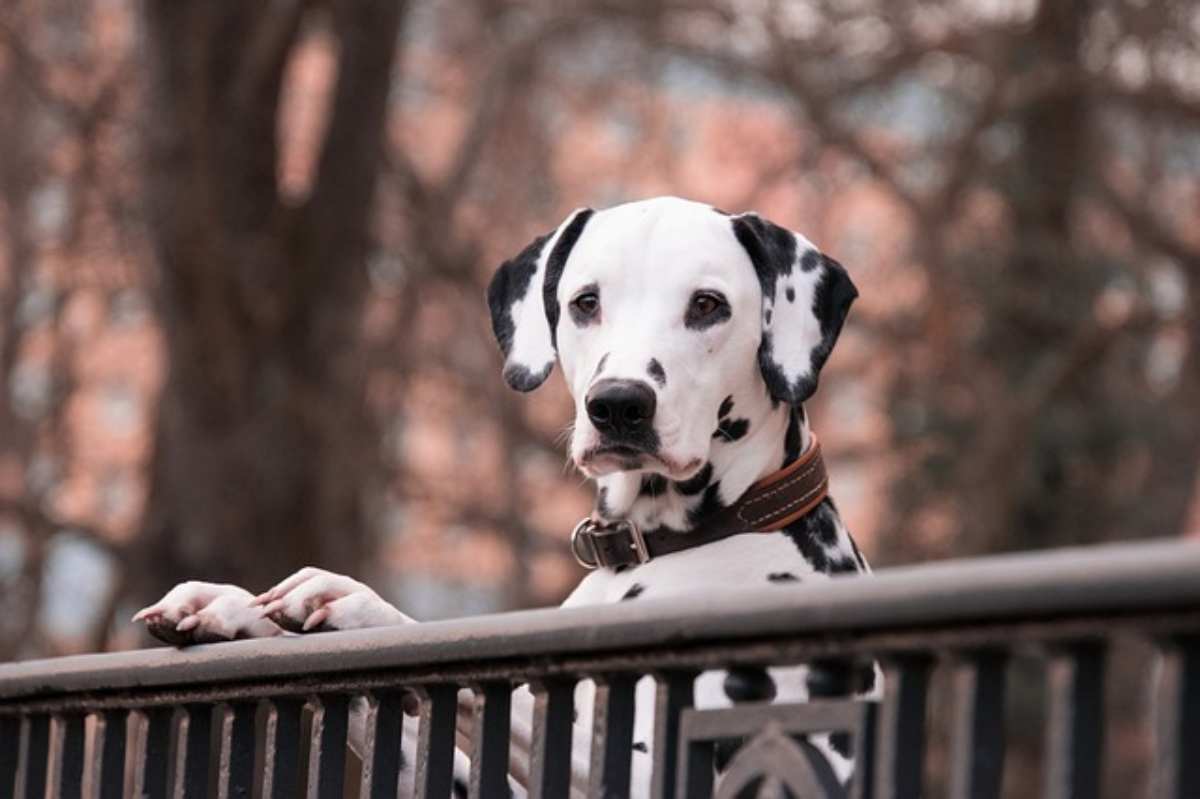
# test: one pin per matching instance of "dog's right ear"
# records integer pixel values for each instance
(523, 299)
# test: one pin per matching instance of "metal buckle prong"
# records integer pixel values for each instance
(639, 541)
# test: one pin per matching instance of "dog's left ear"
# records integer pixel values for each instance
(523, 298)
(806, 296)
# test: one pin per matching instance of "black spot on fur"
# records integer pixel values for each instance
(523, 379)
(772, 251)
(509, 284)
(726, 407)
(782, 577)
(840, 742)
(749, 684)
(694, 485)
(791, 440)
(653, 485)
(843, 564)
(709, 503)
(655, 370)
(460, 789)
(866, 678)
(721, 212)
(828, 678)
(831, 302)
(731, 430)
(601, 364)
(815, 535)
(640, 746)
(634, 592)
(790, 294)
(773, 375)
(602, 508)
(767, 316)
(555, 266)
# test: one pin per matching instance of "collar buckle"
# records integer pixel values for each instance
(596, 539)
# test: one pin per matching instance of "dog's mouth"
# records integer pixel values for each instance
(608, 458)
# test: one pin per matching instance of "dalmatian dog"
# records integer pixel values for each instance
(689, 339)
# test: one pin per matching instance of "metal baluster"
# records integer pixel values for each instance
(553, 726)
(1177, 770)
(435, 744)
(674, 692)
(381, 755)
(108, 755)
(35, 756)
(1075, 733)
(612, 736)
(281, 749)
(327, 752)
(192, 746)
(235, 776)
(977, 761)
(151, 772)
(67, 772)
(694, 773)
(489, 740)
(10, 750)
(899, 751)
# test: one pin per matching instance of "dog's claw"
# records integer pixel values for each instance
(144, 613)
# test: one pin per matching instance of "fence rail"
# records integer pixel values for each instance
(270, 717)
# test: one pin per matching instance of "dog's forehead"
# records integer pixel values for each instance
(664, 239)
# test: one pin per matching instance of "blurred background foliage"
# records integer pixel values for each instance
(243, 248)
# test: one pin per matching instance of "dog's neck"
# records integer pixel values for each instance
(755, 437)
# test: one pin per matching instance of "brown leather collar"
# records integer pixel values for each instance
(771, 504)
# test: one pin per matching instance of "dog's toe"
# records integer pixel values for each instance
(196, 612)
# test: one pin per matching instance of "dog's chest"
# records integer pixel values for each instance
(749, 560)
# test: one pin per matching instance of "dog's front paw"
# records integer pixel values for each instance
(316, 600)
(202, 613)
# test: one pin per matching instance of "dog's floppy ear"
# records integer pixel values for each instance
(806, 296)
(523, 298)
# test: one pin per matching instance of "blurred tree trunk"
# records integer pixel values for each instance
(264, 447)
(1043, 270)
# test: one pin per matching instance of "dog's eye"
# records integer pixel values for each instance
(586, 304)
(706, 308)
(704, 304)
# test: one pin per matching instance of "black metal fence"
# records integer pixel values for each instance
(270, 717)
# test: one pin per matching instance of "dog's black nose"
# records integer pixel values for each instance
(621, 407)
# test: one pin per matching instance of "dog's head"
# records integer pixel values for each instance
(658, 311)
